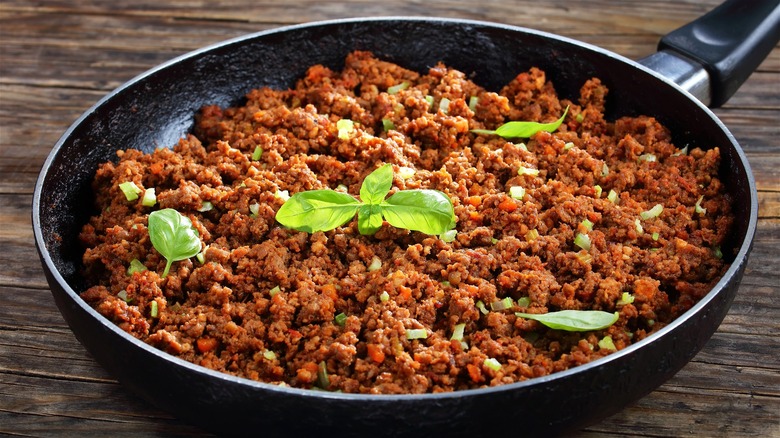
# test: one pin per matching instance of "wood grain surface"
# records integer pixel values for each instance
(57, 58)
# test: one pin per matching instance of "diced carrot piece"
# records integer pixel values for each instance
(206, 344)
(508, 205)
(474, 201)
(375, 353)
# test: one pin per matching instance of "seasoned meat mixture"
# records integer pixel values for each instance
(597, 215)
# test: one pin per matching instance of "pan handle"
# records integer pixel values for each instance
(713, 55)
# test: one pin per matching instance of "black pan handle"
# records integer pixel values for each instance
(729, 42)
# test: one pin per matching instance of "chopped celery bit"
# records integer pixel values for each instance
(638, 226)
(527, 171)
(275, 290)
(340, 319)
(444, 105)
(524, 302)
(626, 298)
(473, 101)
(648, 157)
(254, 209)
(597, 189)
(653, 212)
(154, 310)
(396, 88)
(130, 190)
(384, 296)
(206, 206)
(457, 332)
(606, 343)
(482, 308)
(346, 128)
(504, 304)
(257, 153)
(387, 124)
(492, 363)
(517, 192)
(135, 266)
(375, 265)
(416, 334)
(698, 208)
(612, 197)
(448, 236)
(149, 198)
(269, 355)
(583, 241)
(405, 172)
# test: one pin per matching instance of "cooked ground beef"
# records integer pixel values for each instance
(287, 307)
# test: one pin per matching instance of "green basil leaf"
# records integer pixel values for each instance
(574, 320)
(173, 236)
(519, 129)
(428, 211)
(317, 210)
(376, 185)
(369, 219)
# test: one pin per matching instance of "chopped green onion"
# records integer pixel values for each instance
(638, 226)
(473, 101)
(153, 311)
(340, 319)
(444, 105)
(504, 304)
(387, 124)
(384, 296)
(532, 235)
(612, 197)
(416, 334)
(492, 363)
(269, 355)
(626, 298)
(523, 302)
(597, 188)
(568, 146)
(606, 343)
(653, 212)
(201, 256)
(493, 240)
(656, 236)
(527, 171)
(206, 206)
(457, 332)
(396, 88)
(648, 157)
(604, 170)
(135, 266)
(583, 241)
(650, 322)
(130, 190)
(254, 209)
(149, 198)
(274, 290)
(482, 308)
(122, 295)
(323, 381)
(717, 252)
(698, 208)
(448, 236)
(579, 117)
(257, 153)
(429, 99)
(375, 265)
(517, 192)
(346, 127)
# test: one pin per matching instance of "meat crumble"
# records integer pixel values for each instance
(332, 310)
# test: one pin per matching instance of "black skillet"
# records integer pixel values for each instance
(157, 108)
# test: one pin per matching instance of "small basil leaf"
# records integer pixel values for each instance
(173, 236)
(574, 320)
(376, 185)
(427, 211)
(369, 219)
(317, 210)
(519, 129)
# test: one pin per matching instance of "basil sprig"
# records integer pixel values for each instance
(427, 211)
(574, 320)
(519, 129)
(173, 236)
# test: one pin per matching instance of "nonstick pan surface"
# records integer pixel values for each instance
(157, 108)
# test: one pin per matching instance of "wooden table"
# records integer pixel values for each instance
(58, 58)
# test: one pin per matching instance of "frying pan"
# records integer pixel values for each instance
(707, 58)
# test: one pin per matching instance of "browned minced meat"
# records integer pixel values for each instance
(226, 314)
